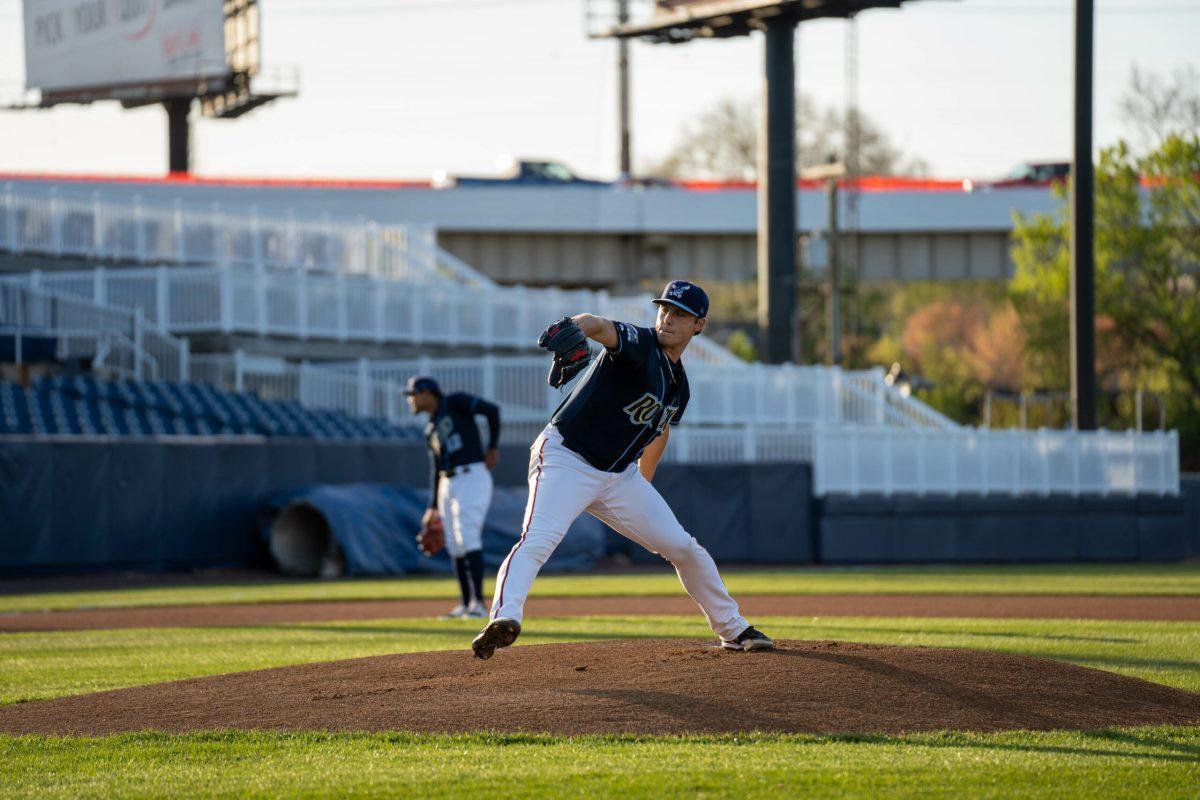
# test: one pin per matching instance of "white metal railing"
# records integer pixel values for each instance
(777, 396)
(116, 338)
(784, 400)
(850, 456)
(345, 308)
(865, 395)
(851, 459)
(312, 385)
(89, 226)
(741, 395)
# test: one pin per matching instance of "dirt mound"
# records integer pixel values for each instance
(647, 686)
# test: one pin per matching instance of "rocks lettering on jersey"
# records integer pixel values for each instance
(646, 409)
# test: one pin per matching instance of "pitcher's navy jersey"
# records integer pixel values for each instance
(624, 401)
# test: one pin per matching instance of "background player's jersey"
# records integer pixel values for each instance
(453, 436)
(624, 401)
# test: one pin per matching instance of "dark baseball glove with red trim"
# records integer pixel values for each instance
(567, 341)
(432, 537)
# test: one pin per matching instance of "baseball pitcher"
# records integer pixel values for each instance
(599, 453)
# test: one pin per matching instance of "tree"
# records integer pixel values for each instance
(1157, 106)
(722, 143)
(1147, 279)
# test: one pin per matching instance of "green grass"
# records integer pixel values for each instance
(43, 665)
(1137, 763)
(1083, 579)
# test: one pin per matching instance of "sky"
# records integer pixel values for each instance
(399, 89)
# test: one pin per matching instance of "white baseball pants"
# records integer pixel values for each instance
(463, 502)
(562, 485)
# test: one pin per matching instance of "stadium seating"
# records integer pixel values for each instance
(82, 404)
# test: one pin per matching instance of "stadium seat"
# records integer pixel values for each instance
(84, 404)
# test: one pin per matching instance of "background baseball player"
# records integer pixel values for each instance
(598, 454)
(461, 486)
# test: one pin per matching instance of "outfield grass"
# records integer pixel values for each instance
(1054, 579)
(44, 665)
(1137, 763)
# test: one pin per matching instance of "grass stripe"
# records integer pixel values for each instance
(1049, 579)
(1136, 763)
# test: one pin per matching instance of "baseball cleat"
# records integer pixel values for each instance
(500, 632)
(458, 612)
(749, 639)
(475, 611)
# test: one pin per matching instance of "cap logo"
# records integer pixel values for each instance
(677, 290)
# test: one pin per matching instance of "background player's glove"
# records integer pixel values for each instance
(432, 537)
(570, 347)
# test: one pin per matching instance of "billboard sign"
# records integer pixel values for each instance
(92, 45)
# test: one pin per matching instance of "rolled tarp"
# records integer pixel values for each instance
(369, 529)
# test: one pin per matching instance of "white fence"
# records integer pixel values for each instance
(307, 305)
(115, 339)
(305, 276)
(313, 386)
(750, 412)
(856, 460)
(90, 227)
(738, 395)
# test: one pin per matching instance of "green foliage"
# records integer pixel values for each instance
(1147, 271)
(742, 346)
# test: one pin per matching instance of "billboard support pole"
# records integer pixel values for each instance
(777, 193)
(179, 134)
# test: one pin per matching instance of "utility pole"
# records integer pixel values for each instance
(1083, 213)
(833, 321)
(623, 92)
(831, 173)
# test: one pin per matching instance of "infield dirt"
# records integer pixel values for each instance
(633, 687)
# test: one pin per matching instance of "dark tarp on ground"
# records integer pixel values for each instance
(375, 525)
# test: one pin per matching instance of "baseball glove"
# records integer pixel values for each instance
(432, 537)
(566, 340)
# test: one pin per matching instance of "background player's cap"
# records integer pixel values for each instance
(421, 383)
(688, 296)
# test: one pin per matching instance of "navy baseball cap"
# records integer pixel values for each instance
(420, 383)
(686, 295)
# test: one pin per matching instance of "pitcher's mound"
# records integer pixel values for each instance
(647, 686)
